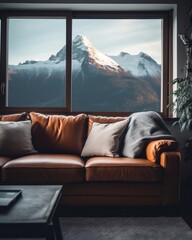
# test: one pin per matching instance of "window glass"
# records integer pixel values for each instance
(116, 65)
(36, 62)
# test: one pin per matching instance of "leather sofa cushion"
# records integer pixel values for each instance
(14, 117)
(44, 169)
(155, 148)
(122, 169)
(102, 119)
(58, 133)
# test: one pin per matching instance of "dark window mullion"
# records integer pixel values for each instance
(170, 62)
(167, 62)
(68, 61)
(3, 62)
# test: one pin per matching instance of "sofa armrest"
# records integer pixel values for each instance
(156, 147)
(3, 161)
(170, 161)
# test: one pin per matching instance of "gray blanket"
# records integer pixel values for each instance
(143, 127)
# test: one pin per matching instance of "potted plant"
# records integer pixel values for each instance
(183, 93)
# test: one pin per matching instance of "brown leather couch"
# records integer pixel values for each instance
(152, 180)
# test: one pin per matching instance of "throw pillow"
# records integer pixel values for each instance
(104, 139)
(59, 133)
(102, 119)
(14, 117)
(15, 138)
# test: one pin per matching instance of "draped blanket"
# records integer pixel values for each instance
(143, 127)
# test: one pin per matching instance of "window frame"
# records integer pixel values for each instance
(167, 54)
(4, 59)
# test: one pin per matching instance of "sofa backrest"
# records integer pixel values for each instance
(102, 119)
(58, 133)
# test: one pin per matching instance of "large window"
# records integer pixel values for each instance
(85, 62)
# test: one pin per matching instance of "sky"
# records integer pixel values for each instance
(38, 39)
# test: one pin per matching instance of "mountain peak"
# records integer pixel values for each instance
(122, 54)
(143, 55)
(80, 41)
(140, 65)
(147, 57)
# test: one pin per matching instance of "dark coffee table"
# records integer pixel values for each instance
(33, 215)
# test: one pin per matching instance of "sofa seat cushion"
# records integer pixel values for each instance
(44, 169)
(122, 169)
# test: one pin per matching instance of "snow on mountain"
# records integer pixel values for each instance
(82, 45)
(139, 65)
(82, 42)
(82, 48)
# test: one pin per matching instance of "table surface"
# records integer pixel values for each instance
(36, 204)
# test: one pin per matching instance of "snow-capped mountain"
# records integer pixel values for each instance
(139, 65)
(82, 50)
(99, 82)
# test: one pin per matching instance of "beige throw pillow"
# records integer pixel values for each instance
(104, 139)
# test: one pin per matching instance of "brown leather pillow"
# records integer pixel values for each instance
(156, 147)
(58, 133)
(14, 117)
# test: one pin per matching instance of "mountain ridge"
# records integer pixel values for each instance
(137, 65)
